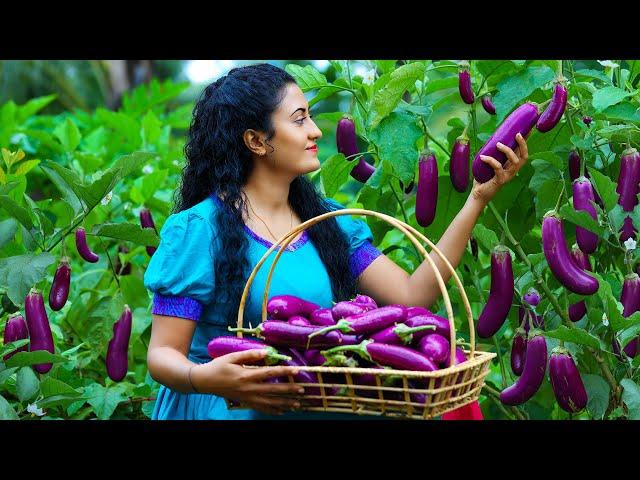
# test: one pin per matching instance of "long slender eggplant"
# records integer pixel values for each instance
(583, 199)
(630, 300)
(487, 104)
(117, 359)
(427, 193)
(579, 309)
(83, 248)
(346, 138)
(459, 163)
(60, 287)
(559, 259)
(566, 381)
(552, 115)
(362, 171)
(15, 329)
(521, 120)
(574, 173)
(395, 356)
(282, 334)
(369, 321)
(441, 324)
(519, 351)
(464, 84)
(225, 344)
(40, 337)
(498, 304)
(628, 188)
(532, 376)
(284, 306)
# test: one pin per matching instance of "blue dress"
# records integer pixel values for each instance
(181, 277)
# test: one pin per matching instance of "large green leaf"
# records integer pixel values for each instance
(625, 111)
(597, 74)
(25, 359)
(7, 412)
(547, 196)
(8, 229)
(33, 106)
(580, 218)
(631, 398)
(27, 384)
(607, 96)
(52, 386)
(127, 231)
(104, 400)
(577, 336)
(68, 134)
(31, 270)
(19, 213)
(307, 77)
(606, 189)
(396, 138)
(514, 89)
(485, 237)
(335, 173)
(386, 99)
(597, 393)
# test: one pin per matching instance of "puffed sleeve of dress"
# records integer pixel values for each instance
(180, 273)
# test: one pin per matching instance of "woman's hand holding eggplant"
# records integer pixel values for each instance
(226, 377)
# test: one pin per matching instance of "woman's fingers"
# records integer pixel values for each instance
(511, 155)
(493, 163)
(265, 373)
(278, 389)
(524, 149)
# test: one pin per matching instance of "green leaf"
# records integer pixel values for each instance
(598, 394)
(66, 181)
(335, 173)
(547, 196)
(25, 359)
(127, 231)
(11, 346)
(617, 216)
(441, 84)
(515, 88)
(606, 189)
(386, 99)
(27, 384)
(19, 213)
(26, 166)
(307, 78)
(52, 386)
(104, 400)
(589, 73)
(152, 182)
(33, 106)
(8, 229)
(628, 334)
(151, 128)
(63, 400)
(487, 238)
(544, 172)
(577, 336)
(580, 218)
(396, 138)
(7, 412)
(68, 134)
(625, 111)
(631, 398)
(550, 158)
(607, 96)
(32, 271)
(6, 373)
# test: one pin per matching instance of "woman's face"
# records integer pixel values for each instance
(294, 142)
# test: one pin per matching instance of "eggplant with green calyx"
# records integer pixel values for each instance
(427, 192)
(498, 304)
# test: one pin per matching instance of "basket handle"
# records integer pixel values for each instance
(406, 229)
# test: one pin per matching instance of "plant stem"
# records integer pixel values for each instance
(496, 395)
(502, 369)
(113, 268)
(432, 138)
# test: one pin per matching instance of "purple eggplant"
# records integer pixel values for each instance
(282, 334)
(583, 199)
(552, 115)
(535, 366)
(579, 309)
(566, 381)
(322, 317)
(441, 324)
(532, 297)
(413, 311)
(362, 171)
(284, 306)
(628, 188)
(82, 247)
(559, 259)
(298, 320)
(587, 120)
(498, 304)
(346, 309)
(630, 300)
(40, 337)
(117, 359)
(366, 301)
(15, 329)
(436, 347)
(518, 351)
(461, 357)
(487, 104)
(574, 173)
(459, 164)
(369, 321)
(464, 84)
(521, 120)
(146, 221)
(394, 356)
(427, 193)
(60, 287)
(399, 334)
(223, 345)
(346, 138)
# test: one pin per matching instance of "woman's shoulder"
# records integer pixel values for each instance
(200, 215)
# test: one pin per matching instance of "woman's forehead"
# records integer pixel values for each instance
(292, 100)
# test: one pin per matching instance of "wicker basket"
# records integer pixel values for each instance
(430, 393)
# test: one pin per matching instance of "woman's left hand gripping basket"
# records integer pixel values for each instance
(420, 375)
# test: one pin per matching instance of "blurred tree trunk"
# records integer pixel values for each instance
(125, 75)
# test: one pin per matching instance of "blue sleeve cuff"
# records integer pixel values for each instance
(183, 307)
(362, 258)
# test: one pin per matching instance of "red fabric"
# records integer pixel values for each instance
(470, 411)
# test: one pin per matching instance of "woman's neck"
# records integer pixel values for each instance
(271, 196)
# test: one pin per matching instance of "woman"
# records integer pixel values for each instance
(250, 143)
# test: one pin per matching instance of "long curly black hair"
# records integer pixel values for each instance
(219, 162)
